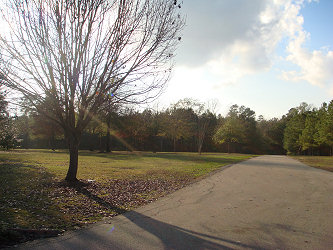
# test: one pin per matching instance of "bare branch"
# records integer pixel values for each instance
(68, 57)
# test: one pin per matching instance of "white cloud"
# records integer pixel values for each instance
(241, 58)
(315, 66)
(213, 26)
(232, 39)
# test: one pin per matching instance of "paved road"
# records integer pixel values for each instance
(268, 202)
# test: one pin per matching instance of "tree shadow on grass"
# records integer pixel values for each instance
(194, 157)
(172, 237)
(26, 211)
(197, 158)
(114, 155)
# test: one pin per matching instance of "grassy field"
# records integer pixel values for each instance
(322, 162)
(36, 202)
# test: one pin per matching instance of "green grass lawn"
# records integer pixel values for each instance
(322, 162)
(33, 194)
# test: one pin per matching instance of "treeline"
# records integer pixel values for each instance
(189, 126)
(7, 133)
(309, 130)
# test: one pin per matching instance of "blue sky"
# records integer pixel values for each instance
(267, 55)
(318, 20)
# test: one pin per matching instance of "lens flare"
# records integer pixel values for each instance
(110, 230)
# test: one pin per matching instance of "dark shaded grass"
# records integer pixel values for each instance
(25, 204)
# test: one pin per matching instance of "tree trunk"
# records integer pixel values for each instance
(108, 146)
(52, 142)
(100, 143)
(200, 146)
(174, 144)
(155, 144)
(201, 135)
(200, 142)
(228, 147)
(73, 144)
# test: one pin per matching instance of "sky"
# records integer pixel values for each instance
(268, 55)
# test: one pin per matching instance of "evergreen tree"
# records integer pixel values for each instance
(294, 127)
(324, 126)
(307, 137)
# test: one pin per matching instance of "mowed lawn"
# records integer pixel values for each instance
(34, 195)
(322, 162)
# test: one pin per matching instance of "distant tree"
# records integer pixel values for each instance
(308, 135)
(292, 133)
(94, 134)
(202, 116)
(22, 124)
(252, 142)
(110, 117)
(294, 127)
(178, 123)
(7, 133)
(324, 126)
(35, 124)
(47, 129)
(329, 127)
(204, 119)
(153, 127)
(3, 105)
(231, 131)
(208, 144)
(133, 126)
(272, 133)
(108, 114)
(246, 118)
(70, 57)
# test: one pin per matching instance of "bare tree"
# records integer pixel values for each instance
(204, 113)
(76, 54)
